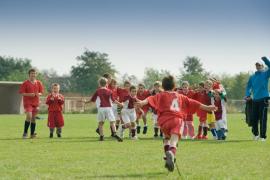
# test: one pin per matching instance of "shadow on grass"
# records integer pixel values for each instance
(226, 141)
(141, 175)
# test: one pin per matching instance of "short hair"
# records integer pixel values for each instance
(127, 82)
(209, 82)
(185, 83)
(201, 84)
(168, 83)
(141, 85)
(55, 84)
(157, 83)
(132, 87)
(102, 82)
(107, 75)
(32, 70)
(113, 81)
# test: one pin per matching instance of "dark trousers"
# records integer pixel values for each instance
(260, 116)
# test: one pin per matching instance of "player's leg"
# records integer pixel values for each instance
(144, 117)
(171, 153)
(27, 123)
(132, 117)
(185, 130)
(33, 122)
(191, 133)
(138, 123)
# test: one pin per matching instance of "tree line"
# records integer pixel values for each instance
(91, 65)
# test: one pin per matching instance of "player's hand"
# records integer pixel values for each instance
(138, 104)
(212, 108)
(247, 98)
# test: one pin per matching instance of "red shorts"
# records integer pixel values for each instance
(55, 119)
(170, 126)
(31, 108)
(188, 117)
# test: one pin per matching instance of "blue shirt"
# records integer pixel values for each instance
(258, 83)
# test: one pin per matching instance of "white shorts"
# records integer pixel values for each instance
(128, 115)
(105, 113)
(220, 124)
(154, 117)
(115, 111)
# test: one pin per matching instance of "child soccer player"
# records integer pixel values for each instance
(170, 107)
(31, 89)
(55, 102)
(109, 79)
(157, 89)
(105, 110)
(203, 98)
(220, 114)
(210, 115)
(142, 94)
(113, 87)
(188, 126)
(129, 113)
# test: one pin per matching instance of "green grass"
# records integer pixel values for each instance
(78, 155)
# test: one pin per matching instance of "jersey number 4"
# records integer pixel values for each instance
(175, 105)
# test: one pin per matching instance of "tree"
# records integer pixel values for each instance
(131, 78)
(238, 87)
(151, 75)
(91, 66)
(193, 71)
(14, 69)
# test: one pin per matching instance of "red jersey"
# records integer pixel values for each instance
(129, 102)
(170, 105)
(189, 93)
(29, 87)
(122, 93)
(218, 113)
(56, 104)
(105, 96)
(203, 98)
(114, 91)
(142, 96)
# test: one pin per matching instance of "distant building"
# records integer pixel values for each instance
(10, 99)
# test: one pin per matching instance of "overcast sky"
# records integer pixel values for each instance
(227, 35)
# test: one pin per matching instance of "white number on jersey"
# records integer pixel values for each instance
(175, 105)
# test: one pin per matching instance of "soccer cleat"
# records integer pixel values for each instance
(97, 131)
(51, 135)
(138, 129)
(256, 138)
(33, 136)
(204, 137)
(198, 137)
(59, 135)
(24, 136)
(169, 161)
(134, 138)
(263, 139)
(155, 136)
(118, 138)
(101, 138)
(144, 129)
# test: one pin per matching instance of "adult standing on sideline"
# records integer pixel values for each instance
(258, 87)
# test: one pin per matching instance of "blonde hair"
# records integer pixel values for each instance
(102, 82)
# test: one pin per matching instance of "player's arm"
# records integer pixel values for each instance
(210, 108)
(29, 94)
(140, 104)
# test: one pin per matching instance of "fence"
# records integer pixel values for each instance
(76, 105)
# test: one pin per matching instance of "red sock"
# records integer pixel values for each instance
(166, 148)
(173, 149)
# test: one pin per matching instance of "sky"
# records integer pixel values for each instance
(227, 35)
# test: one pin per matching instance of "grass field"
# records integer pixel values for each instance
(79, 154)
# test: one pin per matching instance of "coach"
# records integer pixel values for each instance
(258, 87)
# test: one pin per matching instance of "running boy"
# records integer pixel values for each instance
(105, 108)
(142, 94)
(170, 107)
(55, 102)
(31, 90)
